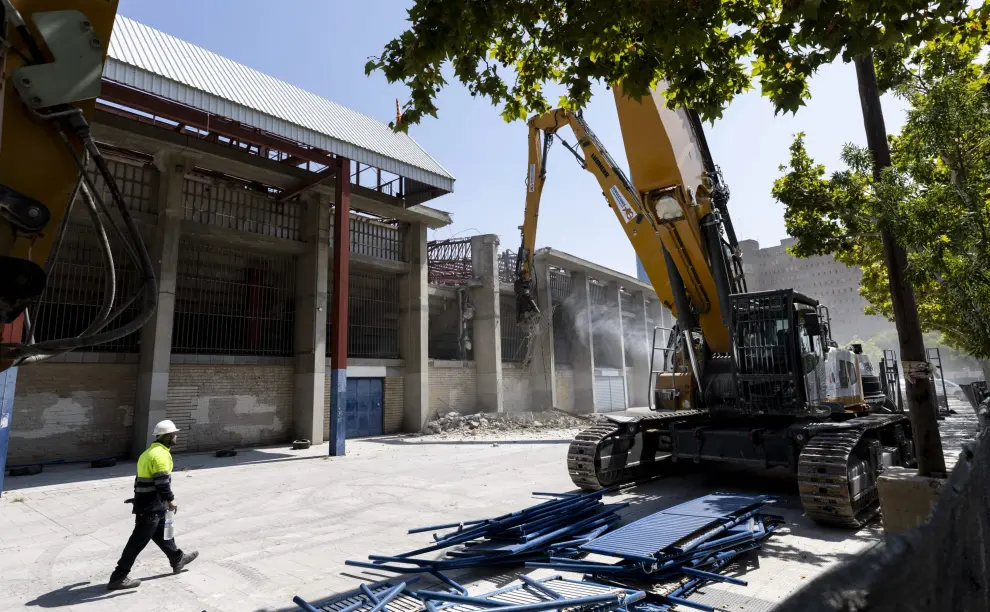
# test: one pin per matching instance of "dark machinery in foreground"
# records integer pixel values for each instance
(746, 378)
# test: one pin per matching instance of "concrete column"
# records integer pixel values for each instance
(414, 319)
(542, 370)
(638, 353)
(487, 338)
(610, 321)
(582, 345)
(156, 336)
(311, 321)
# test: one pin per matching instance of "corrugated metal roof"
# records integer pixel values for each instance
(147, 59)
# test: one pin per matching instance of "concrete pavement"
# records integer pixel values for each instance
(272, 523)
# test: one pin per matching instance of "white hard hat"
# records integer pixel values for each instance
(165, 427)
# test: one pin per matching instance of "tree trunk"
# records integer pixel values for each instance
(985, 366)
(921, 399)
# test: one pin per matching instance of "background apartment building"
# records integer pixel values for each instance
(823, 278)
(831, 282)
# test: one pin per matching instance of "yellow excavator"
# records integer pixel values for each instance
(746, 378)
(51, 68)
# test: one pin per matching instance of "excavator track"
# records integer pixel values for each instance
(826, 468)
(591, 471)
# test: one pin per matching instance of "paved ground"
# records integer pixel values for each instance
(272, 523)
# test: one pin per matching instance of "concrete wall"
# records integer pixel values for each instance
(453, 386)
(72, 411)
(218, 406)
(515, 388)
(565, 388)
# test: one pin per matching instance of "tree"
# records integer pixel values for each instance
(699, 47)
(934, 197)
(708, 51)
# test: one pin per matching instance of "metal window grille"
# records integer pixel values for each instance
(507, 266)
(632, 326)
(240, 208)
(563, 320)
(603, 329)
(446, 325)
(449, 261)
(375, 238)
(372, 315)
(233, 302)
(563, 331)
(74, 294)
(626, 302)
(514, 339)
(597, 293)
(136, 184)
(560, 285)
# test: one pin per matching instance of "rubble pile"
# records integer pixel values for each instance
(455, 422)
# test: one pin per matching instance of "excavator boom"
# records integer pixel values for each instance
(667, 211)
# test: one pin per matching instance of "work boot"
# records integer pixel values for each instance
(123, 583)
(186, 559)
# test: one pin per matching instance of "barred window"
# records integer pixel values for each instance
(233, 302)
(514, 340)
(239, 208)
(372, 315)
(445, 329)
(136, 184)
(563, 320)
(375, 238)
(75, 291)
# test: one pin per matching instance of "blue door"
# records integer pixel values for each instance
(364, 407)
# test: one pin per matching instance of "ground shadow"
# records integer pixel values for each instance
(461, 442)
(73, 473)
(83, 592)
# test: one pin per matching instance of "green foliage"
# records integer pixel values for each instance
(935, 198)
(709, 51)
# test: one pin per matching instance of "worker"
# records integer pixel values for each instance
(152, 496)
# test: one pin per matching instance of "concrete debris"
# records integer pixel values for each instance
(454, 422)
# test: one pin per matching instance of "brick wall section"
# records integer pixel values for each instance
(394, 404)
(72, 411)
(565, 388)
(230, 405)
(453, 386)
(515, 388)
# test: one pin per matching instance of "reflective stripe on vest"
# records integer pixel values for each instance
(154, 467)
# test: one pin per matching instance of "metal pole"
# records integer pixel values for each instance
(8, 382)
(338, 307)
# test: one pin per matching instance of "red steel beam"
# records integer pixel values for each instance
(320, 177)
(338, 307)
(140, 100)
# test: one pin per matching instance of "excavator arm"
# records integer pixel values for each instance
(677, 228)
(51, 65)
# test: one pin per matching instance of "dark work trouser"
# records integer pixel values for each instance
(147, 527)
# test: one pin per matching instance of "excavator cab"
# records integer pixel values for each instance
(779, 352)
(777, 366)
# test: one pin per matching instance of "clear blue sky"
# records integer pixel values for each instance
(323, 46)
